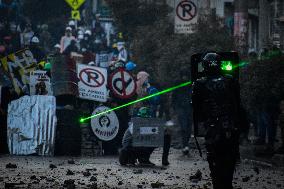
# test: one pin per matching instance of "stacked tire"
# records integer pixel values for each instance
(68, 133)
(64, 80)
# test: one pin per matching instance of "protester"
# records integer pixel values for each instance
(37, 52)
(266, 127)
(87, 42)
(16, 38)
(72, 47)
(281, 126)
(27, 35)
(181, 101)
(45, 39)
(56, 49)
(122, 52)
(66, 39)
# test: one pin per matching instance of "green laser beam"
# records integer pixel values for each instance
(138, 100)
(227, 65)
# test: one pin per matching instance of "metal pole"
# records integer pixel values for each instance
(263, 24)
(241, 26)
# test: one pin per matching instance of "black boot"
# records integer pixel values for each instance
(166, 149)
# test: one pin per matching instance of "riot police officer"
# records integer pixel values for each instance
(215, 99)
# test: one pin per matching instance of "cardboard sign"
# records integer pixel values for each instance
(92, 84)
(31, 125)
(40, 83)
(148, 132)
(186, 12)
(18, 67)
(105, 126)
(102, 60)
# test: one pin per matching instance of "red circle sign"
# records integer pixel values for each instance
(122, 84)
(92, 77)
(186, 10)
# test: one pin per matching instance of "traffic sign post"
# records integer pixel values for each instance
(92, 82)
(75, 15)
(186, 12)
(75, 5)
(122, 84)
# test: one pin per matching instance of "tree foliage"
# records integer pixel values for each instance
(262, 84)
(155, 46)
(42, 11)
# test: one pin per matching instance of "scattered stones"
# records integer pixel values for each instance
(93, 179)
(70, 184)
(71, 161)
(86, 173)
(157, 185)
(11, 166)
(33, 177)
(108, 169)
(139, 186)
(246, 179)
(256, 170)
(120, 183)
(42, 177)
(196, 177)
(50, 179)
(138, 171)
(69, 172)
(93, 186)
(52, 166)
(13, 184)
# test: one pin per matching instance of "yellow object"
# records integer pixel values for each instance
(75, 15)
(75, 4)
(41, 64)
(114, 45)
(120, 35)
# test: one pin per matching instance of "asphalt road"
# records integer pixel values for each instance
(105, 172)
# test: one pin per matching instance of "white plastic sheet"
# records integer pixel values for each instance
(32, 125)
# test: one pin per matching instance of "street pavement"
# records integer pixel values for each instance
(105, 172)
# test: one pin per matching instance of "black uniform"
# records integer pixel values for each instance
(216, 104)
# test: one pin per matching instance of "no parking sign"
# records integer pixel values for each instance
(122, 84)
(92, 84)
(186, 12)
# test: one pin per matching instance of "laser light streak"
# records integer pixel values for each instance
(226, 65)
(82, 120)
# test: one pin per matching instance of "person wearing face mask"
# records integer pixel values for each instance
(181, 102)
(122, 52)
(86, 42)
(66, 39)
(37, 52)
(16, 39)
(26, 36)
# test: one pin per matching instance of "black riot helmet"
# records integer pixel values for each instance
(211, 63)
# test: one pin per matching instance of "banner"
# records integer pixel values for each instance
(18, 67)
(40, 83)
(186, 12)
